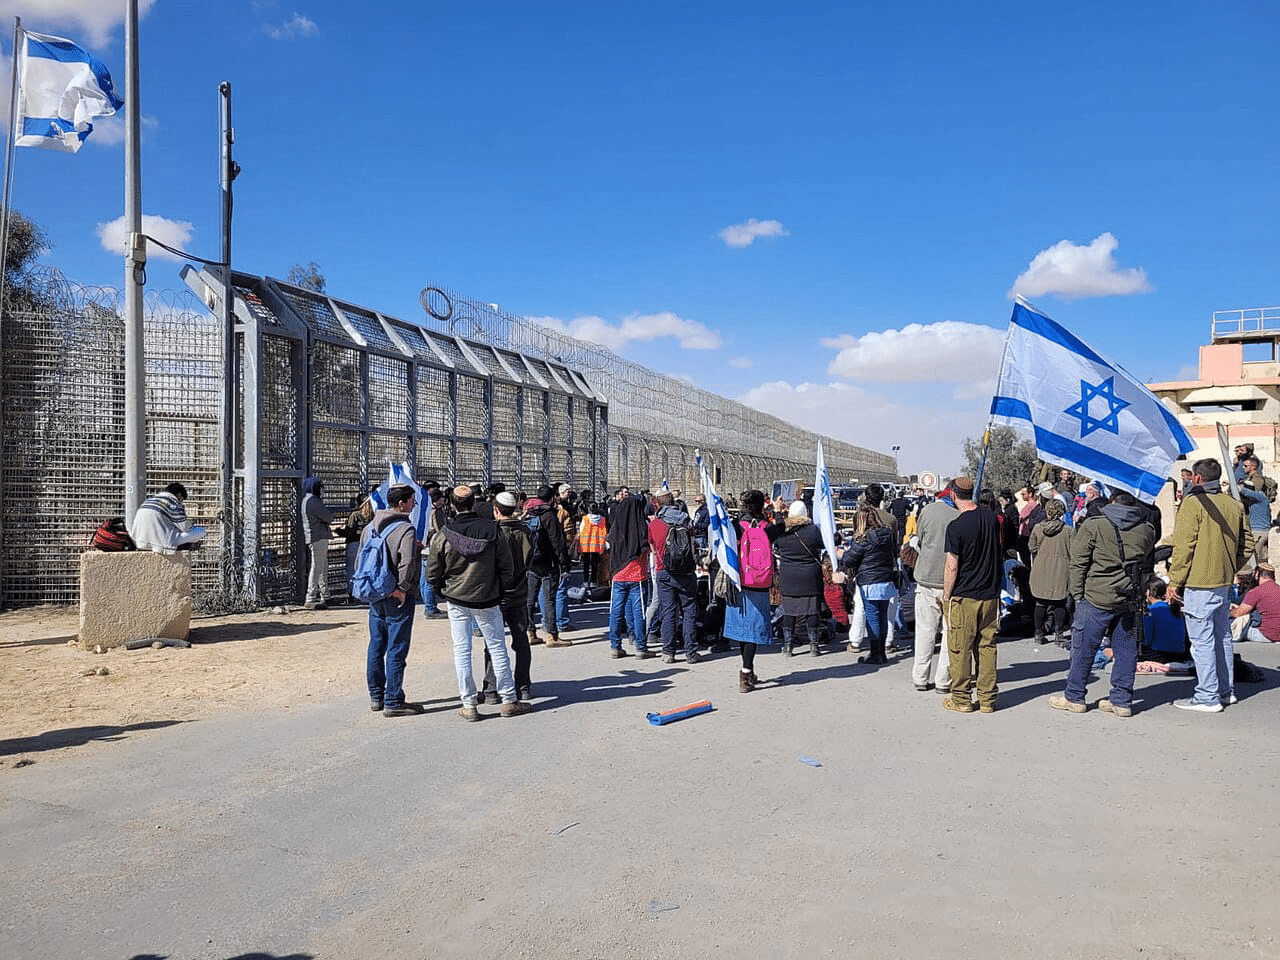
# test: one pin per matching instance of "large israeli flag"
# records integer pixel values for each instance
(1086, 413)
(720, 533)
(61, 88)
(824, 513)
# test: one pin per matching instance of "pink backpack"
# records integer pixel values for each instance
(757, 556)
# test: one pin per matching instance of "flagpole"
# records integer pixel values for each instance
(135, 263)
(986, 435)
(4, 239)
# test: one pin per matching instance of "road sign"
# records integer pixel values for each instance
(928, 480)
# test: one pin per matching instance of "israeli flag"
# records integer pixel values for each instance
(1086, 413)
(61, 87)
(720, 534)
(824, 513)
(400, 474)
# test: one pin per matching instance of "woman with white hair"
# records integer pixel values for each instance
(799, 552)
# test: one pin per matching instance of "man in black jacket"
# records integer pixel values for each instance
(514, 612)
(469, 565)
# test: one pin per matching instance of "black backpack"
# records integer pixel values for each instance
(677, 552)
(541, 555)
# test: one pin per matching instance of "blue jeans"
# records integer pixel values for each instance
(562, 602)
(1088, 633)
(428, 592)
(1209, 627)
(877, 616)
(390, 628)
(491, 626)
(678, 610)
(542, 600)
(624, 600)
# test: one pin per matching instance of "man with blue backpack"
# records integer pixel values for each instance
(386, 577)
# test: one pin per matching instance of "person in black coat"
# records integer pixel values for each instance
(799, 553)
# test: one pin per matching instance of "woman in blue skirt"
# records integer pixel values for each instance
(747, 616)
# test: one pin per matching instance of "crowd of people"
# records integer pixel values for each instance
(1076, 562)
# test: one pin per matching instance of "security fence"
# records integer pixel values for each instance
(328, 388)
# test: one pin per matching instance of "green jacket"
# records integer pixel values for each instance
(1211, 541)
(1097, 573)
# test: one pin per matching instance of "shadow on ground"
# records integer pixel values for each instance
(75, 736)
(39, 642)
(256, 955)
(261, 629)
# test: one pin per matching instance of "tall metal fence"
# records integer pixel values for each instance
(328, 388)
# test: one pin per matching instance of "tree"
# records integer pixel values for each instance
(1012, 461)
(307, 276)
(26, 243)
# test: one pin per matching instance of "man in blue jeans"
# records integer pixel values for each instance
(1110, 557)
(391, 619)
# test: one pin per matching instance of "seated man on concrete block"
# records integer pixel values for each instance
(161, 523)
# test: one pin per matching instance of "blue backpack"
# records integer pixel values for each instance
(375, 577)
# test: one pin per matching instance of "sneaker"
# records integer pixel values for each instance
(950, 704)
(375, 706)
(692, 658)
(1197, 706)
(1059, 702)
(924, 687)
(515, 709)
(436, 615)
(942, 690)
(1106, 706)
(617, 653)
(668, 658)
(524, 693)
(405, 710)
(1230, 701)
(645, 654)
(470, 714)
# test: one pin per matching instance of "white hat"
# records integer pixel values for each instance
(506, 499)
(1046, 489)
(563, 489)
(797, 509)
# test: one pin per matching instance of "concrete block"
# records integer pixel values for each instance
(129, 595)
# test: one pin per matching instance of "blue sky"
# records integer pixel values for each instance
(818, 208)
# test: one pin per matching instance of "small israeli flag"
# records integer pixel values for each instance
(1086, 413)
(61, 88)
(400, 474)
(824, 513)
(720, 533)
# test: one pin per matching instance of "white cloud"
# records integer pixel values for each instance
(176, 233)
(948, 351)
(1073, 272)
(294, 28)
(742, 363)
(925, 423)
(89, 23)
(109, 131)
(740, 235)
(637, 328)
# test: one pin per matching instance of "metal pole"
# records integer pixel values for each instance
(227, 464)
(135, 263)
(4, 259)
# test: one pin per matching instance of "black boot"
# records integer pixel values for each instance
(788, 638)
(814, 649)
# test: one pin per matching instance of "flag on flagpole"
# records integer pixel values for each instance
(1087, 413)
(824, 514)
(720, 534)
(61, 88)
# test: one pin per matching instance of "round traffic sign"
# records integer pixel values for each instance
(928, 480)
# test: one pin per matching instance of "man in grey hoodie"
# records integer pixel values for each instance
(1108, 551)
(316, 518)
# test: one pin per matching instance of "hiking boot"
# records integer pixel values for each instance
(1059, 702)
(645, 654)
(1106, 706)
(955, 707)
(514, 709)
(534, 639)
(553, 640)
(986, 708)
(668, 658)
(1198, 707)
(745, 684)
(405, 710)
(617, 653)
(491, 698)
(470, 714)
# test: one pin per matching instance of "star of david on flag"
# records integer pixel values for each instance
(1086, 413)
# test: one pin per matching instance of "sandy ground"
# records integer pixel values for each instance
(238, 799)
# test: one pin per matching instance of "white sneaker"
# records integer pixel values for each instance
(1197, 706)
(1230, 701)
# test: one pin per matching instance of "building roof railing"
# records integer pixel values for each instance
(1251, 323)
